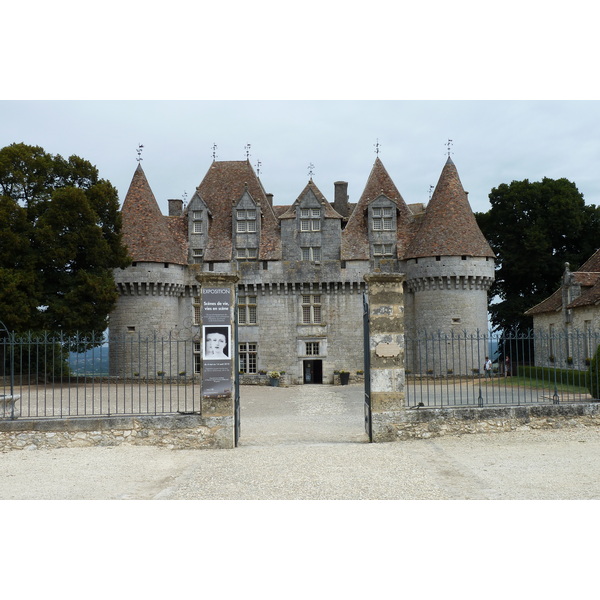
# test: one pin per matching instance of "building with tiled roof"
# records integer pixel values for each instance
(301, 266)
(569, 316)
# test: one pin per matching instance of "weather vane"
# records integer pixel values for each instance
(377, 146)
(310, 170)
(214, 149)
(247, 149)
(139, 152)
(184, 197)
(449, 144)
(258, 165)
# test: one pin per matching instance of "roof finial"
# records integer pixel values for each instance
(214, 149)
(431, 188)
(139, 152)
(258, 165)
(377, 146)
(448, 145)
(247, 149)
(310, 170)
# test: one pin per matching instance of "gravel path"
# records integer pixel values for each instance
(307, 442)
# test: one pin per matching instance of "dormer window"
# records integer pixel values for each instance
(380, 250)
(311, 254)
(247, 253)
(382, 219)
(310, 219)
(197, 221)
(246, 220)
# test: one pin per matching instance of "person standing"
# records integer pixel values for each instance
(487, 367)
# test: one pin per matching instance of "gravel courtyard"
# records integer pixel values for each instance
(308, 442)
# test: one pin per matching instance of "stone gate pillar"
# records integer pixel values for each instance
(387, 352)
(217, 292)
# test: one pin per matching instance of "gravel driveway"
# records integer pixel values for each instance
(308, 442)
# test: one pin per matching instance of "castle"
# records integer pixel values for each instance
(301, 267)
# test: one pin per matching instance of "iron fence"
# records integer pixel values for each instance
(45, 376)
(53, 376)
(449, 369)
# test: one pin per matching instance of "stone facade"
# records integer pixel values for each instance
(301, 267)
(567, 323)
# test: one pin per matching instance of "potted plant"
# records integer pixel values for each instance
(274, 377)
(344, 377)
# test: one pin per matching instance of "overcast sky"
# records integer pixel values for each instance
(493, 142)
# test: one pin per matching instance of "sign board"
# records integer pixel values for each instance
(217, 350)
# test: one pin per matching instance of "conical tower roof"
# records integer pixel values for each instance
(355, 237)
(146, 232)
(449, 227)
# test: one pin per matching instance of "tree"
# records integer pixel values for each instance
(60, 239)
(534, 228)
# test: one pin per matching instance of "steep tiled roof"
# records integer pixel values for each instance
(592, 264)
(588, 277)
(355, 240)
(147, 233)
(221, 189)
(449, 227)
(551, 304)
(328, 211)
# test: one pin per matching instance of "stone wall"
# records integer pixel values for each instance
(172, 432)
(435, 422)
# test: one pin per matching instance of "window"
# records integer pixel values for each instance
(247, 357)
(311, 308)
(313, 254)
(197, 254)
(247, 310)
(197, 310)
(312, 348)
(246, 221)
(247, 253)
(197, 357)
(382, 219)
(383, 249)
(197, 221)
(310, 219)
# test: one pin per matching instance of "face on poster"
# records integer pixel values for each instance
(217, 342)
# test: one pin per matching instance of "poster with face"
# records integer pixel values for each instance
(217, 342)
(217, 350)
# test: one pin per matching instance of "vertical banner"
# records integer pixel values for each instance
(217, 350)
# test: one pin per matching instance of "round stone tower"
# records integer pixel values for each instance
(151, 302)
(449, 270)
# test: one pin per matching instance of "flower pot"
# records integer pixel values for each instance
(274, 382)
(344, 378)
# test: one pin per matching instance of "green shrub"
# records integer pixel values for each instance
(594, 375)
(551, 375)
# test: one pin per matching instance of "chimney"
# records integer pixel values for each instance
(270, 199)
(175, 208)
(340, 199)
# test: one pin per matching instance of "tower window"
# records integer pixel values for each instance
(246, 253)
(311, 254)
(247, 357)
(382, 219)
(311, 308)
(247, 310)
(310, 219)
(246, 221)
(383, 249)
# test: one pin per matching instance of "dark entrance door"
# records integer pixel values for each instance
(313, 371)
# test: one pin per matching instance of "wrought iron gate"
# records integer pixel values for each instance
(367, 374)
